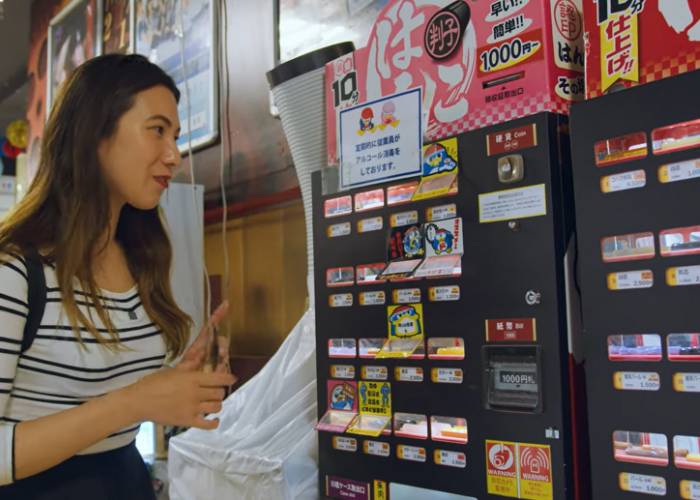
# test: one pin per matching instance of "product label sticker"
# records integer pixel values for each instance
(630, 280)
(405, 321)
(436, 267)
(686, 452)
(408, 373)
(381, 491)
(375, 398)
(343, 443)
(343, 371)
(401, 269)
(371, 224)
(412, 453)
(404, 218)
(680, 171)
(340, 300)
(620, 149)
(441, 212)
(680, 241)
(676, 137)
(436, 186)
(367, 274)
(645, 448)
(444, 238)
(346, 489)
(683, 276)
(340, 276)
(449, 429)
(400, 193)
(372, 152)
(636, 381)
(683, 346)
(635, 347)
(511, 330)
(448, 293)
(369, 200)
(407, 296)
(519, 470)
(447, 375)
(405, 242)
(337, 230)
(686, 382)
(637, 246)
(642, 483)
(511, 140)
(375, 372)
(342, 395)
(450, 458)
(502, 476)
(622, 182)
(376, 448)
(510, 204)
(335, 207)
(377, 298)
(690, 490)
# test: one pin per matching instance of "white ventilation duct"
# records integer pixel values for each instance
(298, 91)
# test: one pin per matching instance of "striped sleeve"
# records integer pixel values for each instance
(13, 316)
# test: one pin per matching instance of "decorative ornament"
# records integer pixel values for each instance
(18, 134)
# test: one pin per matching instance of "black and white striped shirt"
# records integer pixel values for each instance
(57, 373)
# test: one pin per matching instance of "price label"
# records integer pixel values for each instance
(340, 300)
(404, 218)
(637, 381)
(447, 293)
(408, 373)
(641, 483)
(450, 458)
(412, 453)
(447, 375)
(372, 298)
(441, 212)
(376, 448)
(337, 230)
(623, 182)
(683, 276)
(690, 490)
(343, 443)
(631, 280)
(343, 371)
(681, 171)
(371, 224)
(407, 296)
(686, 382)
(375, 372)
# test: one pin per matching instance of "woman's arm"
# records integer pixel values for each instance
(171, 396)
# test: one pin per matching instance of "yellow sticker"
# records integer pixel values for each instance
(380, 490)
(450, 458)
(375, 372)
(340, 300)
(447, 375)
(630, 280)
(404, 218)
(411, 453)
(441, 212)
(343, 371)
(407, 296)
(519, 470)
(375, 398)
(377, 298)
(502, 468)
(446, 293)
(376, 448)
(405, 321)
(408, 373)
(619, 49)
(343, 443)
(636, 381)
(690, 490)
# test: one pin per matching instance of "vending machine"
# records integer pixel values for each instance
(636, 166)
(442, 322)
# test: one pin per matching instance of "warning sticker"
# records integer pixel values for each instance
(519, 470)
(519, 203)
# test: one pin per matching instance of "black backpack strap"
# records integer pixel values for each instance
(36, 297)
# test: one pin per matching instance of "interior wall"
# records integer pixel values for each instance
(267, 263)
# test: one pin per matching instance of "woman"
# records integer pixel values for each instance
(71, 404)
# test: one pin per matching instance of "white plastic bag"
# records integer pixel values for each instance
(265, 447)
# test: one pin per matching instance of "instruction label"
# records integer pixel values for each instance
(519, 203)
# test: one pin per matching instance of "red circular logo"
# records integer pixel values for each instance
(568, 19)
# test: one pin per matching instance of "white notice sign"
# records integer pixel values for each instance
(520, 203)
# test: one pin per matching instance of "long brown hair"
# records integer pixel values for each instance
(65, 212)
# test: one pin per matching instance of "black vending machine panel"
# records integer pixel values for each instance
(441, 325)
(636, 158)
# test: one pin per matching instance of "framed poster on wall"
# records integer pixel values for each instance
(189, 59)
(117, 26)
(74, 37)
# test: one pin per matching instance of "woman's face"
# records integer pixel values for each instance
(139, 159)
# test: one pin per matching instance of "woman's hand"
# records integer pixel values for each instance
(197, 355)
